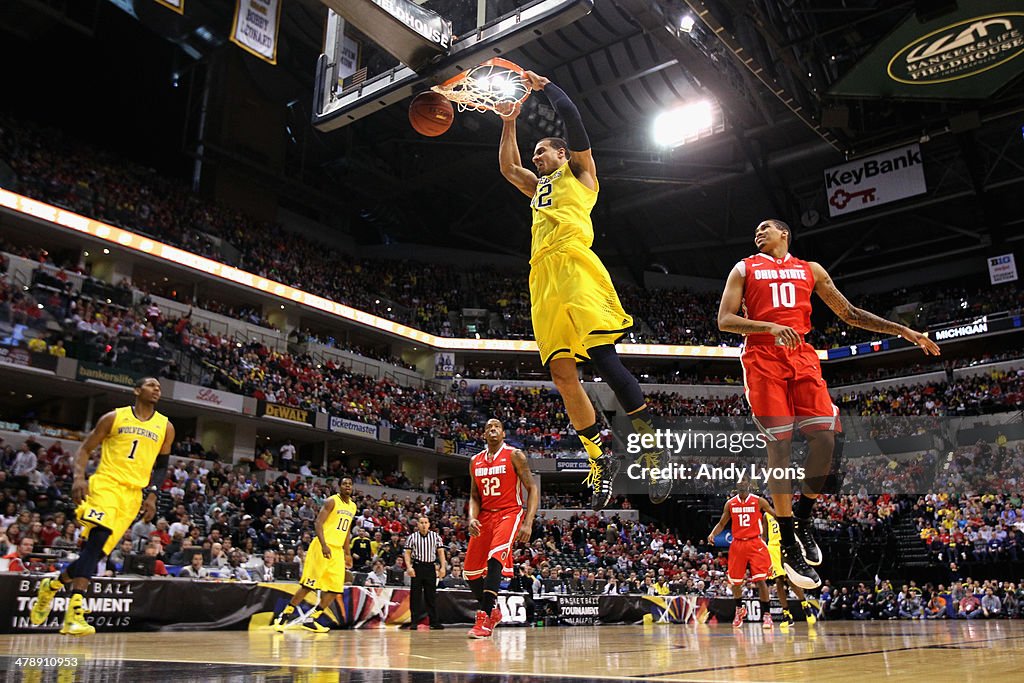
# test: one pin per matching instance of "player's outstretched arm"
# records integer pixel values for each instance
(729, 319)
(766, 507)
(533, 495)
(858, 317)
(581, 157)
(721, 524)
(79, 487)
(509, 161)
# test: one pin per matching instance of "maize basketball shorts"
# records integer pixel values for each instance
(497, 537)
(322, 574)
(775, 552)
(574, 305)
(111, 505)
(752, 552)
(784, 386)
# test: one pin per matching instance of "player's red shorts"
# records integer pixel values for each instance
(752, 551)
(498, 529)
(784, 386)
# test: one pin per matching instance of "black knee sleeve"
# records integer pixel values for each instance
(477, 586)
(615, 375)
(493, 579)
(834, 482)
(91, 554)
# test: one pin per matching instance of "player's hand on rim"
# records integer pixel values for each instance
(509, 110)
(920, 339)
(786, 336)
(536, 82)
(474, 527)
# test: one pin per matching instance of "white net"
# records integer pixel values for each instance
(482, 88)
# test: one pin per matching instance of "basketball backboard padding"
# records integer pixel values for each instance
(495, 38)
(412, 34)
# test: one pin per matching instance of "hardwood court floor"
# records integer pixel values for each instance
(830, 651)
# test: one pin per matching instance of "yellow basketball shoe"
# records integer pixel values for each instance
(74, 619)
(48, 588)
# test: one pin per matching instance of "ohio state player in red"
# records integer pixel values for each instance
(782, 375)
(501, 485)
(747, 549)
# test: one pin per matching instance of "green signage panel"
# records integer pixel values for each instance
(967, 54)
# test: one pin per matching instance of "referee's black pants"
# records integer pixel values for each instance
(424, 589)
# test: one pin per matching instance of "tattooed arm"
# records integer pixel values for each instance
(730, 321)
(858, 317)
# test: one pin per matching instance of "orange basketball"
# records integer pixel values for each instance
(431, 114)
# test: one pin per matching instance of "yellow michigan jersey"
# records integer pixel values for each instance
(129, 451)
(319, 573)
(774, 545)
(127, 456)
(574, 306)
(561, 212)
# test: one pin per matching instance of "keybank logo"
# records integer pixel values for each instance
(961, 50)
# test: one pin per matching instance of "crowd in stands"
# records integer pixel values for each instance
(427, 296)
(995, 391)
(961, 599)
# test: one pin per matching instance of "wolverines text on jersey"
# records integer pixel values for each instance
(339, 524)
(130, 449)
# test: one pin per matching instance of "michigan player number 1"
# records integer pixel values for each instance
(783, 294)
(490, 485)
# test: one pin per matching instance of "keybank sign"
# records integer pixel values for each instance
(961, 50)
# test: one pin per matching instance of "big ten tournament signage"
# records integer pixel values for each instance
(875, 180)
(277, 411)
(210, 398)
(1002, 269)
(969, 53)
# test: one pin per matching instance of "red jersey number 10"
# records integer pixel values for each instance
(783, 294)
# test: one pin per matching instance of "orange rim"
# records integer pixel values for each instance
(493, 61)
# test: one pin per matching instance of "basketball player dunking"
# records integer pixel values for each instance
(576, 312)
(748, 548)
(132, 438)
(499, 477)
(782, 375)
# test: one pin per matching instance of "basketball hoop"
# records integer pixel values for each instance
(484, 87)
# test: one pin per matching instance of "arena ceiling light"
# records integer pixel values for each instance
(686, 23)
(687, 123)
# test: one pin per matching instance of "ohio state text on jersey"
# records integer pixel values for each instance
(497, 480)
(777, 291)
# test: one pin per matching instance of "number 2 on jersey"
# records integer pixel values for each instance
(543, 199)
(783, 294)
(490, 486)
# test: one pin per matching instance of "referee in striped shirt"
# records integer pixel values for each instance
(422, 548)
